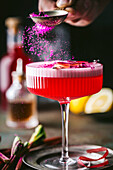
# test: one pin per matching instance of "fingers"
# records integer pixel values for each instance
(64, 3)
(78, 22)
(84, 12)
(78, 12)
(46, 5)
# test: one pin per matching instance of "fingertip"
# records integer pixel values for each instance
(63, 3)
(70, 9)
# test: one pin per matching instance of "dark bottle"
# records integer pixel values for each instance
(14, 51)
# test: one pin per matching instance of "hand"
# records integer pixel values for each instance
(81, 12)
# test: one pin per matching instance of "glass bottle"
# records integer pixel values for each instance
(22, 106)
(14, 51)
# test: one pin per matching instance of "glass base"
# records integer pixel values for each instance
(54, 163)
(49, 158)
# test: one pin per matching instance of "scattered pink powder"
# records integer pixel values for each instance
(42, 29)
(35, 42)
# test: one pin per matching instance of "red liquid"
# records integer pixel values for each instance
(65, 89)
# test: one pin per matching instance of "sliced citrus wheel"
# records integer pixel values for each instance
(77, 105)
(100, 102)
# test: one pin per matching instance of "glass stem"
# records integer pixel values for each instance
(65, 116)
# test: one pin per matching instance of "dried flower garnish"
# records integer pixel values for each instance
(61, 66)
(70, 64)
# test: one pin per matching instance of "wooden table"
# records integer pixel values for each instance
(83, 129)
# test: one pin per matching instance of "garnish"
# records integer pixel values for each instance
(38, 136)
(19, 149)
(70, 64)
(89, 160)
(61, 65)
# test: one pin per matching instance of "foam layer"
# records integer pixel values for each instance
(47, 69)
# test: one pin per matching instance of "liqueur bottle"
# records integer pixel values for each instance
(22, 105)
(14, 51)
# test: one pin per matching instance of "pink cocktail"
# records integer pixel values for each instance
(64, 81)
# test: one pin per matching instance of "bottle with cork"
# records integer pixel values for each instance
(22, 105)
(14, 51)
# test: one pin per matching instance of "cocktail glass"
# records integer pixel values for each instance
(64, 81)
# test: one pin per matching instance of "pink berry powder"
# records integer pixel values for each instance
(45, 43)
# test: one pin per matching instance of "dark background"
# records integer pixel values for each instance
(92, 42)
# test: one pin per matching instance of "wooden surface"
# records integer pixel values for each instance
(83, 129)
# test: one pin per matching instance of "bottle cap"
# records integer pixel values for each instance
(19, 67)
(18, 74)
(13, 23)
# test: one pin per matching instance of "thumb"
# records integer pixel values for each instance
(63, 3)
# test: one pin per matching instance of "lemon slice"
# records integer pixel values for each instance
(77, 105)
(100, 102)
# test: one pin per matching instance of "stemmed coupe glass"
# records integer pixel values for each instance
(64, 81)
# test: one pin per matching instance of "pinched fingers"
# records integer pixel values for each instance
(77, 11)
(80, 12)
(84, 12)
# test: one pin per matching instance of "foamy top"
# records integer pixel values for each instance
(64, 69)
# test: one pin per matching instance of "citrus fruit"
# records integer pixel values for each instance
(77, 105)
(99, 102)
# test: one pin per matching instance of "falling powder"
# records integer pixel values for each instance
(45, 42)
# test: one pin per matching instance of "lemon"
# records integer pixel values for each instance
(100, 102)
(77, 105)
